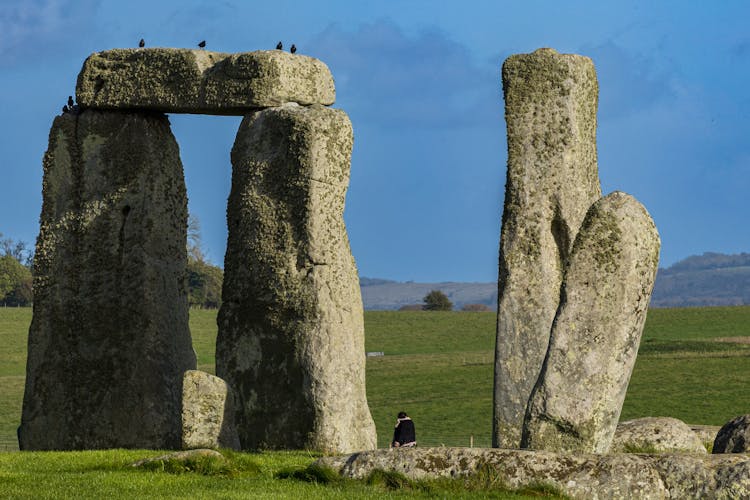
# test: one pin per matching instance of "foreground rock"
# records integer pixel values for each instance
(550, 111)
(656, 435)
(109, 339)
(199, 81)
(734, 436)
(576, 403)
(208, 412)
(291, 333)
(584, 476)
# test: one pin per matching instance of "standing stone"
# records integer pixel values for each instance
(550, 111)
(109, 338)
(291, 334)
(208, 412)
(576, 403)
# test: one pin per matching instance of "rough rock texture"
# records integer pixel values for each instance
(109, 339)
(291, 334)
(584, 476)
(208, 412)
(734, 436)
(552, 180)
(656, 435)
(199, 81)
(576, 403)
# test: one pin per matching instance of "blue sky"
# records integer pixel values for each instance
(420, 81)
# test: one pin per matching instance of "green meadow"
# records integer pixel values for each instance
(437, 366)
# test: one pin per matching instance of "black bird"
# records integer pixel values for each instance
(279, 46)
(202, 44)
(70, 101)
(293, 49)
(142, 43)
(65, 108)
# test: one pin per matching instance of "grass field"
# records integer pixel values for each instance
(438, 367)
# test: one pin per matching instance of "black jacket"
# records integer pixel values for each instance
(404, 432)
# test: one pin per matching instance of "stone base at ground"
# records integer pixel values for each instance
(208, 412)
(200, 81)
(584, 476)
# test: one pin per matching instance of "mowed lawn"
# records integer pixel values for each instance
(438, 367)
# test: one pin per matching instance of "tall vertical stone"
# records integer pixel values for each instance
(576, 403)
(291, 334)
(552, 180)
(109, 339)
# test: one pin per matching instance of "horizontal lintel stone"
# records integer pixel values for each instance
(201, 82)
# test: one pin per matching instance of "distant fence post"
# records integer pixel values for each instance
(471, 441)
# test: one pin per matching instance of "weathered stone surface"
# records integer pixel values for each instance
(734, 436)
(109, 339)
(656, 435)
(291, 334)
(208, 412)
(552, 180)
(584, 476)
(576, 403)
(199, 81)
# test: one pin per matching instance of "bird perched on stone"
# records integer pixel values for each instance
(279, 46)
(70, 101)
(202, 44)
(142, 43)
(65, 108)
(293, 49)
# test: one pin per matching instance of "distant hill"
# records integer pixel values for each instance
(386, 294)
(711, 279)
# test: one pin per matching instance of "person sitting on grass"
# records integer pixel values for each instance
(404, 435)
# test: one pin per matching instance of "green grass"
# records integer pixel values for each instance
(437, 367)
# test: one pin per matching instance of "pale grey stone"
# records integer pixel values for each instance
(734, 436)
(576, 403)
(656, 435)
(577, 475)
(552, 180)
(200, 81)
(109, 339)
(208, 412)
(291, 334)
(706, 433)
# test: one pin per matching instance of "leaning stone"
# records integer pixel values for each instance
(552, 180)
(576, 475)
(181, 456)
(655, 435)
(199, 81)
(208, 412)
(577, 401)
(109, 338)
(291, 334)
(734, 436)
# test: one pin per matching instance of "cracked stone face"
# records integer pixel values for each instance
(109, 339)
(291, 334)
